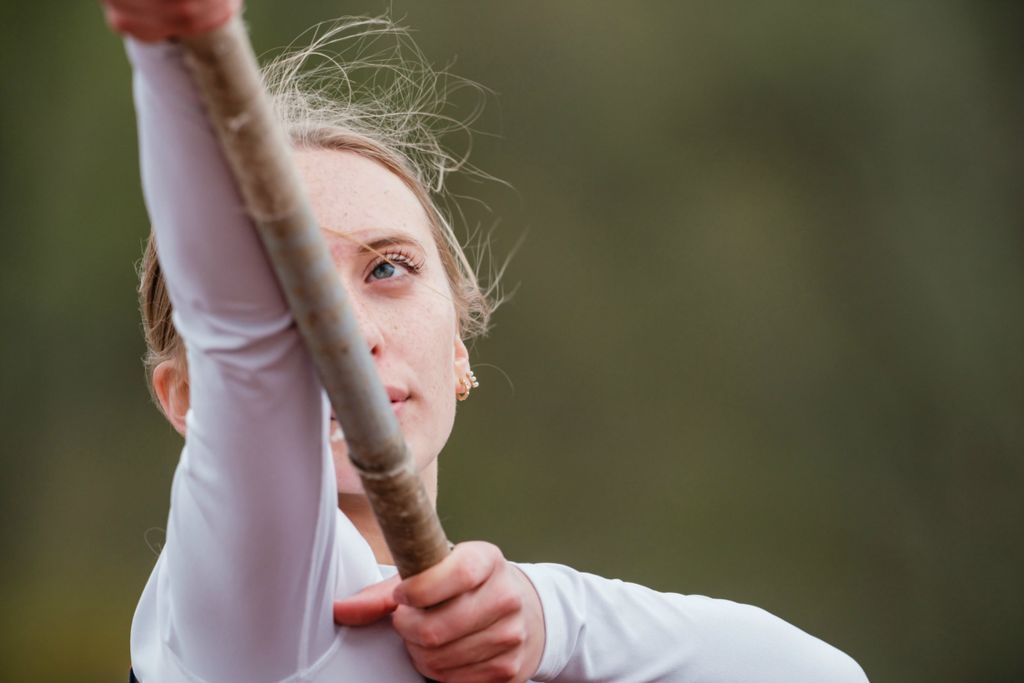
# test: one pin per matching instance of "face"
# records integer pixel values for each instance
(382, 245)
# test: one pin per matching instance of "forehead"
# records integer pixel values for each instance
(351, 193)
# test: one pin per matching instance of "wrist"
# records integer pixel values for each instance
(533, 613)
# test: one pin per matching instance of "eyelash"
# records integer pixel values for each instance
(396, 257)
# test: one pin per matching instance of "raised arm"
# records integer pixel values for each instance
(600, 630)
(245, 579)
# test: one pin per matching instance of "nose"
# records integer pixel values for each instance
(368, 324)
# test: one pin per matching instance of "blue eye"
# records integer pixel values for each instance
(394, 265)
(383, 271)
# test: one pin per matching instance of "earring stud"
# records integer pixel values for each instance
(467, 383)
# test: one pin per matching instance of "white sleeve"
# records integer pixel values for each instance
(246, 578)
(601, 630)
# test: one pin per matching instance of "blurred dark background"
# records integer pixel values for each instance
(765, 342)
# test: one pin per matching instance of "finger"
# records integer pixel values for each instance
(468, 566)
(505, 635)
(368, 605)
(210, 18)
(141, 29)
(149, 22)
(459, 617)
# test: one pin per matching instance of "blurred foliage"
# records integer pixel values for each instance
(765, 342)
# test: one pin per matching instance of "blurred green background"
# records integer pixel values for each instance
(765, 341)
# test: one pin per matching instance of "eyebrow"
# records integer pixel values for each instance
(381, 243)
(376, 245)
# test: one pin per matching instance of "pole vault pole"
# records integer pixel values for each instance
(224, 68)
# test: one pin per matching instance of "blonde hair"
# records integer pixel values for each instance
(360, 85)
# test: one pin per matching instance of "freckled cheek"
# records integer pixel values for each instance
(431, 357)
(429, 347)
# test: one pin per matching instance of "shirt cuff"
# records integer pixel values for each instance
(562, 604)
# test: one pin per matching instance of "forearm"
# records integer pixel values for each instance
(219, 279)
(603, 630)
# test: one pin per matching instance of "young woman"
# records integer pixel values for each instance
(267, 525)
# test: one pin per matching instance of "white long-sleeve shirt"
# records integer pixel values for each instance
(256, 548)
(607, 630)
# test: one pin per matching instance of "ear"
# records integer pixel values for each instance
(170, 384)
(461, 361)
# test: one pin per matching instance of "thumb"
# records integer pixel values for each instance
(368, 605)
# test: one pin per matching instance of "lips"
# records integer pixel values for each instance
(396, 395)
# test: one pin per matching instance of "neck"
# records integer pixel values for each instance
(356, 507)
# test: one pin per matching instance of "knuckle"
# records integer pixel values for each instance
(417, 591)
(510, 636)
(412, 594)
(509, 602)
(503, 669)
(481, 555)
(188, 15)
(492, 552)
(423, 664)
(432, 659)
(402, 620)
(431, 673)
(428, 635)
(466, 572)
(419, 658)
(516, 636)
(486, 553)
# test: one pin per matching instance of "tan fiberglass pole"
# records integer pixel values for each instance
(224, 67)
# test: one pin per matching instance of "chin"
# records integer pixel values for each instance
(348, 479)
(351, 488)
(345, 474)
